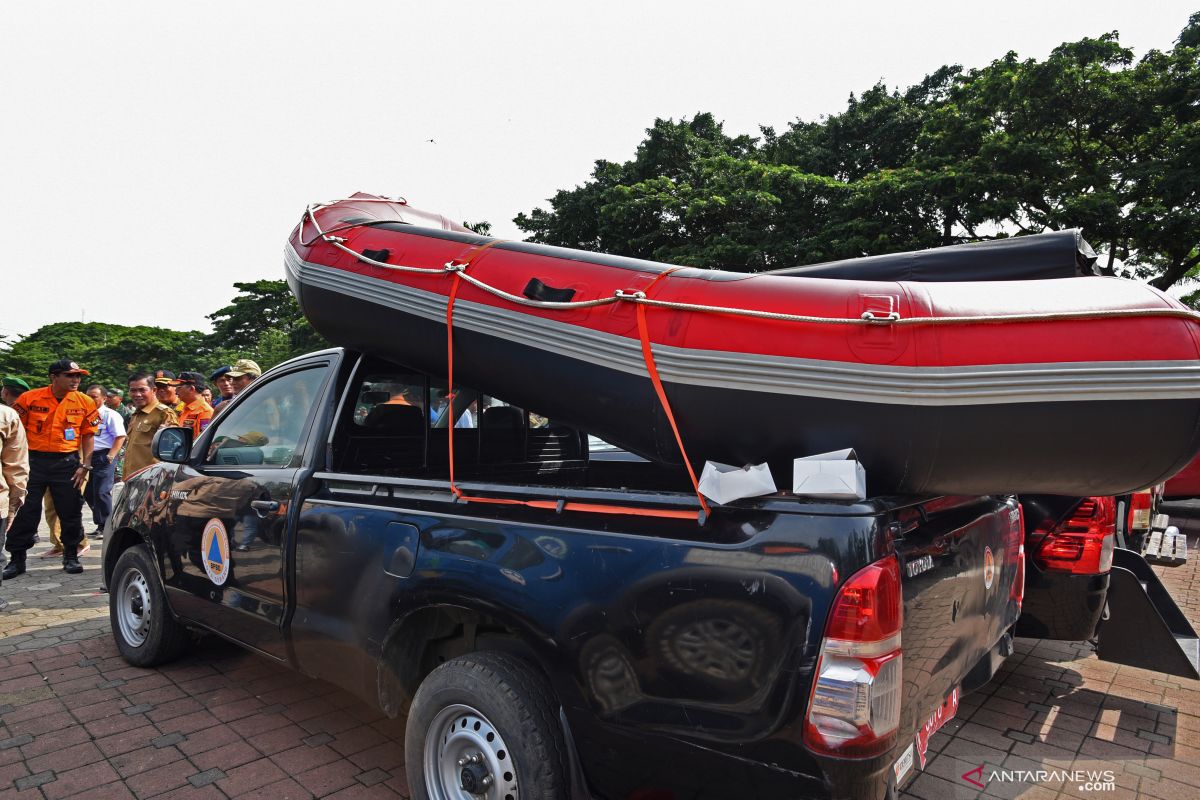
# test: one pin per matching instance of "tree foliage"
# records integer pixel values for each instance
(262, 322)
(109, 352)
(1088, 137)
(262, 307)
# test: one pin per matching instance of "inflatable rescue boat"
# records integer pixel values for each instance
(1072, 385)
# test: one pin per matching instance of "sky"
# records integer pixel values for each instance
(155, 152)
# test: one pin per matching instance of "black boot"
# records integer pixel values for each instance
(71, 565)
(16, 566)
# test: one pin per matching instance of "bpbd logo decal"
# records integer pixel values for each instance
(214, 551)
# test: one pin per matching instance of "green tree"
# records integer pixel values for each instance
(261, 307)
(1088, 137)
(612, 213)
(109, 352)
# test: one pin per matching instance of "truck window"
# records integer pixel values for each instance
(392, 403)
(264, 430)
(383, 433)
(460, 405)
(399, 421)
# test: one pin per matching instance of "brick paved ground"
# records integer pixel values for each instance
(1054, 707)
(77, 721)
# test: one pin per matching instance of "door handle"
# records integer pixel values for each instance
(264, 508)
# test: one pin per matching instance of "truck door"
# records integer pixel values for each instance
(227, 547)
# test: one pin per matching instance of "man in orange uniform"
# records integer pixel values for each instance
(197, 413)
(60, 422)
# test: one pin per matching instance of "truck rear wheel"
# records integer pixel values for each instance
(485, 725)
(142, 625)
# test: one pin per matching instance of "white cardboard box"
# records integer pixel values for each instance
(723, 483)
(830, 476)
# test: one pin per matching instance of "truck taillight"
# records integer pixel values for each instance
(1083, 543)
(1017, 592)
(1140, 505)
(854, 710)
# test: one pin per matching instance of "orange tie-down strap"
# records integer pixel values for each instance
(648, 355)
(556, 505)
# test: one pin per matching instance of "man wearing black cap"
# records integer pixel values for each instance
(197, 413)
(223, 384)
(164, 389)
(60, 421)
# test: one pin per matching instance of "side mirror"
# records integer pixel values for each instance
(172, 445)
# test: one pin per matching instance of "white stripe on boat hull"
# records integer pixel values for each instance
(836, 380)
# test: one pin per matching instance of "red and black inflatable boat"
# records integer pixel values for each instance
(941, 387)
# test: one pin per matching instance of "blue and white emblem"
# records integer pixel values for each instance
(214, 551)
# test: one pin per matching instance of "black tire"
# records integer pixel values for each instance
(142, 625)
(512, 698)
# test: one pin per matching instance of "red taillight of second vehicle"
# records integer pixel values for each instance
(1140, 505)
(1083, 543)
(854, 709)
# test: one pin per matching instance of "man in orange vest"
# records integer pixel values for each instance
(197, 413)
(60, 422)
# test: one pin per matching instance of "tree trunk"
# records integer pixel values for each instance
(1174, 272)
(1112, 256)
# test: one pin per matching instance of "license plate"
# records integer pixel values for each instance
(941, 715)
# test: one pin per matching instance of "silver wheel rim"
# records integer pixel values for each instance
(134, 607)
(462, 739)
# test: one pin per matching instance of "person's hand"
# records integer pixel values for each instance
(109, 457)
(80, 477)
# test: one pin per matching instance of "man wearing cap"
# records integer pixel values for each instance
(164, 387)
(114, 398)
(12, 388)
(223, 384)
(58, 419)
(149, 416)
(196, 412)
(243, 374)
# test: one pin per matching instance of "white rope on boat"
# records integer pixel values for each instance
(893, 318)
(461, 269)
(868, 318)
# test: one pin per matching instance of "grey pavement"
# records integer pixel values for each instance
(47, 606)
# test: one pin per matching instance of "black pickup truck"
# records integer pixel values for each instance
(572, 630)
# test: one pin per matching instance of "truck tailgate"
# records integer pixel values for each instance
(959, 563)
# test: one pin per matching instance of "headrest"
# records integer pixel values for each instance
(501, 417)
(396, 418)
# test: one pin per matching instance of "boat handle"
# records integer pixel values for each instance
(871, 316)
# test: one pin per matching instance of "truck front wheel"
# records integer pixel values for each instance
(142, 625)
(485, 725)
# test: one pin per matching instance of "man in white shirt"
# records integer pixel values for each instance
(109, 439)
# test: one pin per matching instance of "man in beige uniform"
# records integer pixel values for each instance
(14, 471)
(244, 373)
(149, 416)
